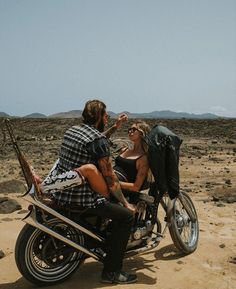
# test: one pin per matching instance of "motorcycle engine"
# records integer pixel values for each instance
(143, 231)
(142, 227)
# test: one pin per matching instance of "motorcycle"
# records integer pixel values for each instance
(54, 243)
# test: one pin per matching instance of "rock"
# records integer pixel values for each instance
(215, 159)
(7, 219)
(2, 254)
(12, 186)
(228, 182)
(222, 246)
(11, 171)
(215, 199)
(23, 212)
(220, 205)
(3, 199)
(231, 199)
(196, 147)
(232, 260)
(230, 141)
(9, 206)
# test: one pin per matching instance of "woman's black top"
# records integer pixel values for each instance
(126, 169)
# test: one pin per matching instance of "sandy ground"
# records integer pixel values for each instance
(162, 267)
(207, 169)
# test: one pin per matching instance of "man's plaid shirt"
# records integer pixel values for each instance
(76, 150)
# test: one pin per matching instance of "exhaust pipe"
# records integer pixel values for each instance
(31, 219)
(153, 243)
(30, 197)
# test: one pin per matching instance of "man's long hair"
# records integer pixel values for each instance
(93, 111)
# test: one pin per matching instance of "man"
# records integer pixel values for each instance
(85, 144)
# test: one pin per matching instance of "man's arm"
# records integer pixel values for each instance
(110, 131)
(112, 181)
(120, 120)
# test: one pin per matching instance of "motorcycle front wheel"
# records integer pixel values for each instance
(184, 229)
(44, 260)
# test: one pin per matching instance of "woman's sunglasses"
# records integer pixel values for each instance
(132, 129)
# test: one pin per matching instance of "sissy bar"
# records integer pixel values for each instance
(26, 168)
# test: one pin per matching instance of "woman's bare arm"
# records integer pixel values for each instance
(142, 167)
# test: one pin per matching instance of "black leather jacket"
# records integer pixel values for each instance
(163, 147)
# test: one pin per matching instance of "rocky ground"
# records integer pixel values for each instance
(208, 174)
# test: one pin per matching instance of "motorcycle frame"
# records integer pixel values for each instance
(33, 219)
(34, 196)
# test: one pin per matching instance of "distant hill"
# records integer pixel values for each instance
(3, 114)
(35, 115)
(154, 114)
(163, 114)
(68, 114)
(175, 115)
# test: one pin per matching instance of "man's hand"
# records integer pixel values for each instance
(130, 207)
(121, 119)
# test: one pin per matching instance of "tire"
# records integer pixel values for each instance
(183, 231)
(40, 262)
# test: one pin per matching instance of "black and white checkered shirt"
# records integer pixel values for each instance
(81, 145)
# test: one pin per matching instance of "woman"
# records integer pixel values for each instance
(131, 167)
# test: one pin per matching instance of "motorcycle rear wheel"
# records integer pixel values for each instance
(184, 232)
(44, 260)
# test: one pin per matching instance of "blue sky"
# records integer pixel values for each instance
(137, 56)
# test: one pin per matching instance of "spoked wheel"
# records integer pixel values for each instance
(184, 228)
(44, 260)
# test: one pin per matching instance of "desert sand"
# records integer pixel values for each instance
(208, 174)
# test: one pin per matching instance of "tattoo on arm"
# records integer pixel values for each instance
(106, 170)
(111, 179)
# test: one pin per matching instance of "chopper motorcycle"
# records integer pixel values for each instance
(55, 241)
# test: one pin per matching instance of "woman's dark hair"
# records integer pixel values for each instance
(93, 111)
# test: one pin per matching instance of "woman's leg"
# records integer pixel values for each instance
(94, 178)
(76, 177)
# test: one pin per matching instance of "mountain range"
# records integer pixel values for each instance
(154, 114)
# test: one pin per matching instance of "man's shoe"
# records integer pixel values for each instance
(118, 277)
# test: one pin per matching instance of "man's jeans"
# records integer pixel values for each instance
(122, 220)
